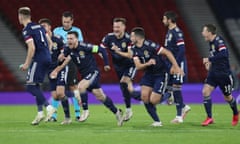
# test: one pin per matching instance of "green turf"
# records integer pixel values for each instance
(101, 127)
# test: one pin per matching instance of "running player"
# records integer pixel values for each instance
(57, 85)
(117, 42)
(147, 56)
(37, 61)
(72, 80)
(174, 42)
(82, 55)
(219, 74)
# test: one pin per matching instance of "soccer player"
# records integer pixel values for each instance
(57, 85)
(72, 79)
(174, 42)
(219, 74)
(82, 55)
(37, 61)
(117, 42)
(147, 56)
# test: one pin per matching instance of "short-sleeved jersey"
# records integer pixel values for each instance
(63, 33)
(174, 42)
(110, 40)
(37, 33)
(219, 57)
(149, 51)
(58, 44)
(83, 57)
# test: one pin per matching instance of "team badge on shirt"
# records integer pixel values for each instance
(146, 54)
(124, 45)
(82, 54)
(54, 45)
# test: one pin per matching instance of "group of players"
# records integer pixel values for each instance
(164, 66)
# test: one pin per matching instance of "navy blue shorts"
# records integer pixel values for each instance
(61, 79)
(225, 82)
(157, 82)
(94, 78)
(37, 72)
(127, 71)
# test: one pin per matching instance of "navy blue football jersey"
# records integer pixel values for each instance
(123, 43)
(37, 33)
(149, 51)
(58, 44)
(83, 57)
(174, 42)
(219, 57)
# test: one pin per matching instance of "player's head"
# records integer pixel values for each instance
(169, 17)
(46, 23)
(209, 31)
(137, 35)
(24, 14)
(119, 26)
(72, 39)
(67, 20)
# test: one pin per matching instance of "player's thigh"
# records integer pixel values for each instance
(145, 93)
(207, 89)
(83, 85)
(60, 91)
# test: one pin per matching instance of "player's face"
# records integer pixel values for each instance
(67, 22)
(72, 41)
(206, 34)
(165, 21)
(133, 38)
(20, 18)
(118, 29)
(46, 26)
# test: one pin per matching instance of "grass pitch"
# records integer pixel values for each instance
(101, 127)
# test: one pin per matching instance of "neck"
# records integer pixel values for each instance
(76, 45)
(213, 37)
(26, 22)
(50, 34)
(172, 26)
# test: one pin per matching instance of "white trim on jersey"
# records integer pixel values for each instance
(180, 43)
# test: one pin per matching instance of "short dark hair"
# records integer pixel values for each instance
(45, 20)
(26, 11)
(67, 14)
(171, 15)
(139, 31)
(74, 33)
(211, 28)
(119, 19)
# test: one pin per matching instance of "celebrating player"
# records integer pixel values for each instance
(219, 74)
(37, 61)
(82, 55)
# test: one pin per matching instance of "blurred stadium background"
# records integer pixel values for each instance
(94, 17)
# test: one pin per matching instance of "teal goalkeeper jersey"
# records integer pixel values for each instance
(61, 32)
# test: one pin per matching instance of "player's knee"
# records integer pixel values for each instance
(100, 97)
(82, 88)
(205, 92)
(228, 97)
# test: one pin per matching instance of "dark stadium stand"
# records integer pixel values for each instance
(7, 81)
(228, 15)
(95, 19)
